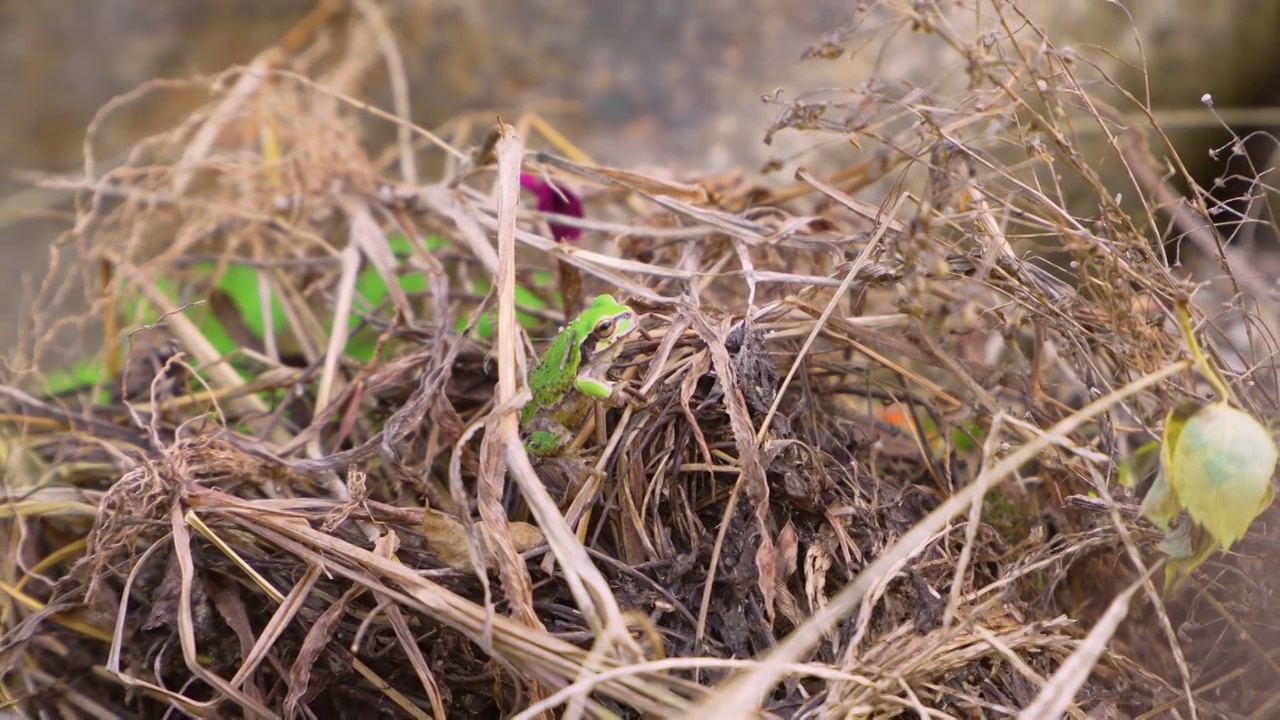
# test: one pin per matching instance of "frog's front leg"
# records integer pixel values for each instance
(546, 437)
(609, 393)
(615, 394)
(597, 388)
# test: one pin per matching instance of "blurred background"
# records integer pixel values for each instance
(665, 83)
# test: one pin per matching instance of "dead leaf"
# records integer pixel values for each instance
(448, 539)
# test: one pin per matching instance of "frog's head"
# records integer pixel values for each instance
(604, 324)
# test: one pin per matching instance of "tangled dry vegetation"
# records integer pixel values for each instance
(869, 469)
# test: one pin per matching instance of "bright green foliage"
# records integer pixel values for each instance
(240, 284)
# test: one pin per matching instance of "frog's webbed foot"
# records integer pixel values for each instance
(624, 394)
(548, 443)
(546, 438)
(574, 467)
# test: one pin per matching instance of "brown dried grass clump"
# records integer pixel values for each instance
(867, 472)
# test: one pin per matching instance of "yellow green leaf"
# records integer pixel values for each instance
(1219, 464)
(1161, 503)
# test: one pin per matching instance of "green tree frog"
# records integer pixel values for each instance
(570, 377)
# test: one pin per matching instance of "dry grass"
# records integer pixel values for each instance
(874, 452)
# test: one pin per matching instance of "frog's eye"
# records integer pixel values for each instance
(604, 327)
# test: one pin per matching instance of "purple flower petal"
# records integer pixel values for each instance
(555, 199)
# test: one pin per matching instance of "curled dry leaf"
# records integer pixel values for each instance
(448, 539)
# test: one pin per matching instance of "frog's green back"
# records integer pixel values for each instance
(554, 374)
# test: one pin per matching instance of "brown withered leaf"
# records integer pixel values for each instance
(448, 539)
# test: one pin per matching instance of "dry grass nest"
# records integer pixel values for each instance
(865, 468)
